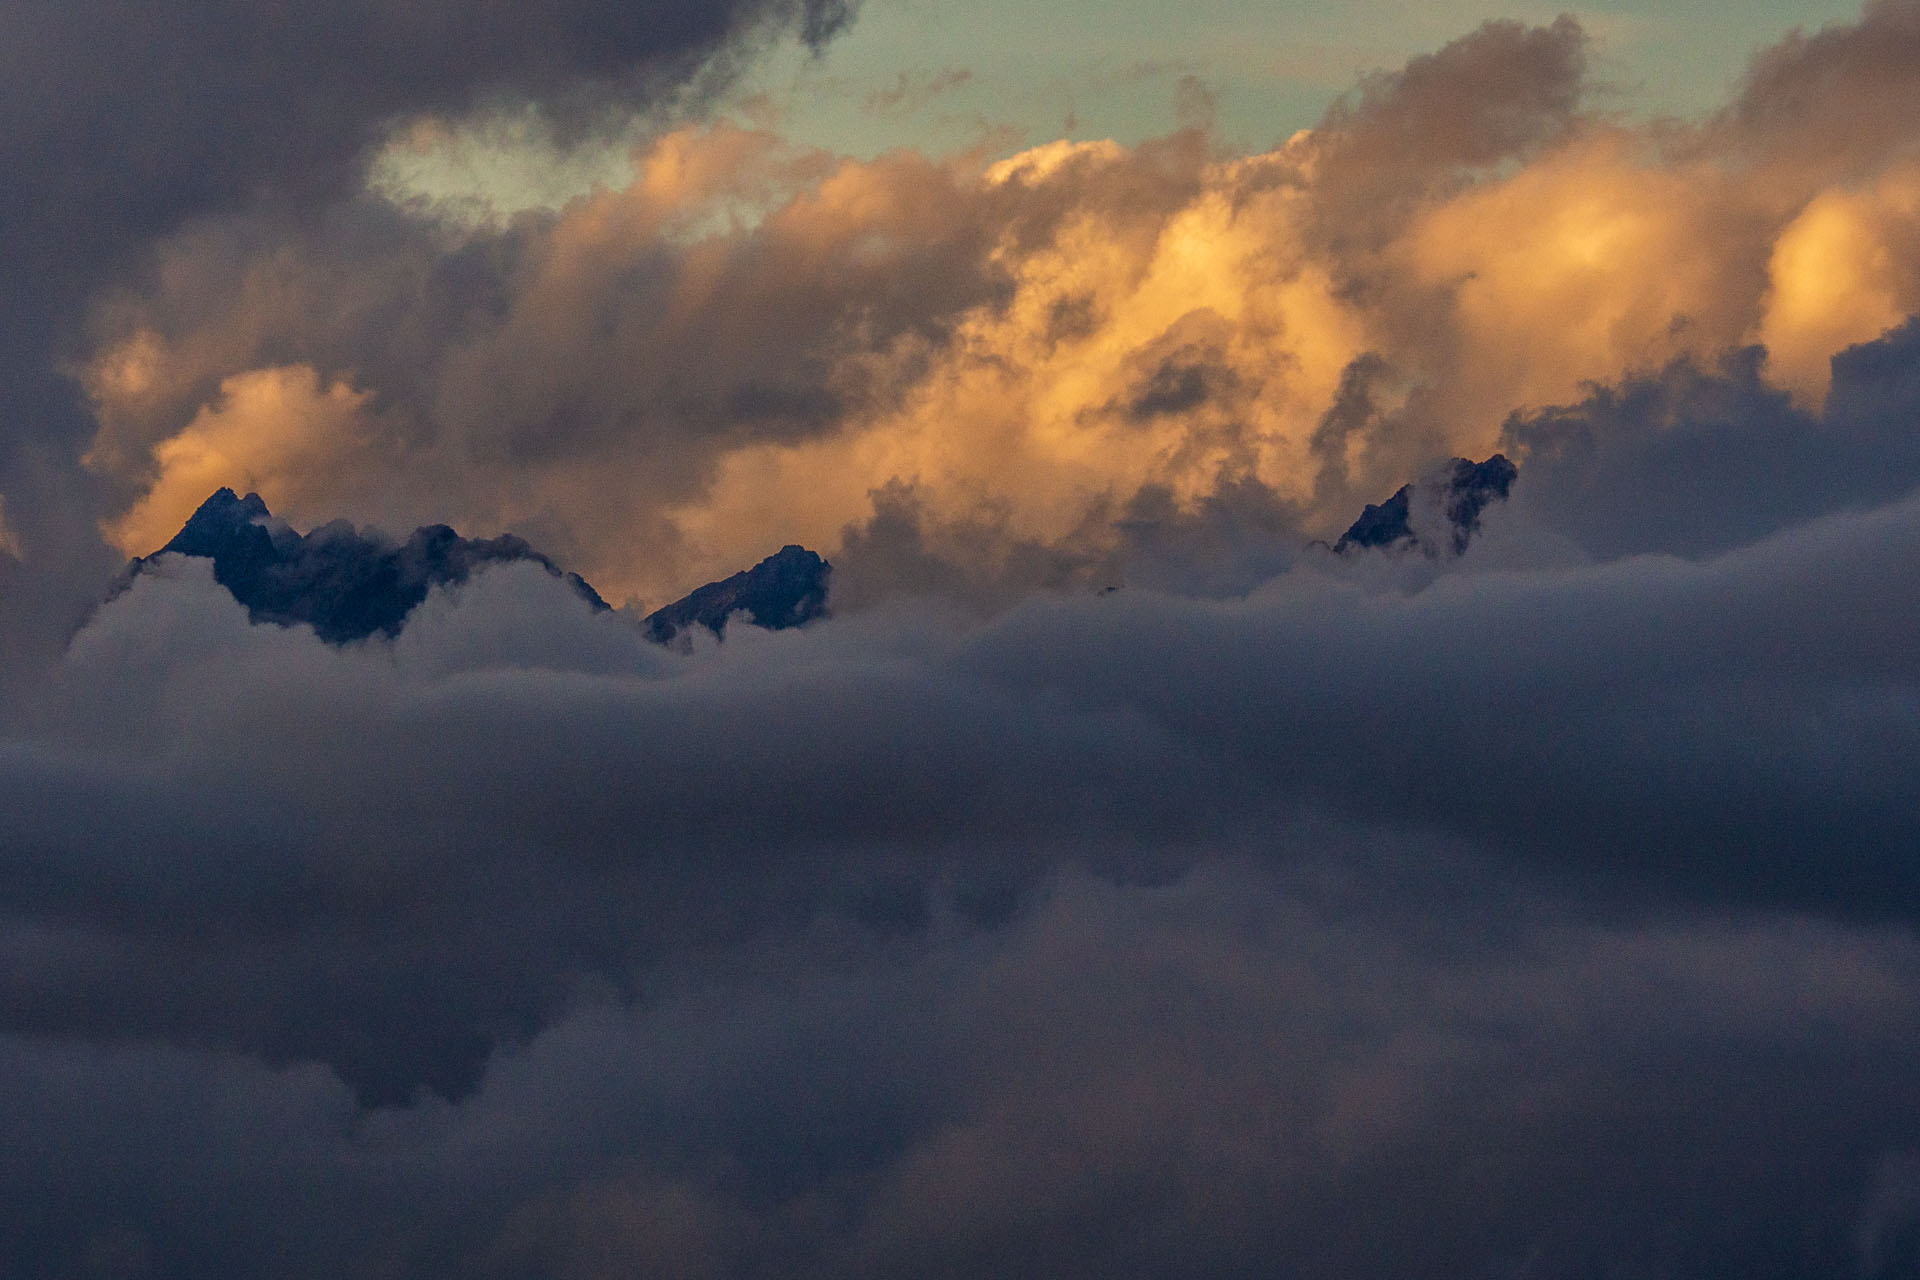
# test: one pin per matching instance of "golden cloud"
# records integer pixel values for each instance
(751, 341)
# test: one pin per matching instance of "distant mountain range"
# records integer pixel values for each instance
(345, 584)
(348, 585)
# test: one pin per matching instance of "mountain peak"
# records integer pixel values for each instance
(219, 521)
(1453, 497)
(343, 583)
(787, 589)
(225, 506)
(347, 584)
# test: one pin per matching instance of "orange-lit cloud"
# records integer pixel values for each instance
(276, 432)
(1846, 269)
(750, 342)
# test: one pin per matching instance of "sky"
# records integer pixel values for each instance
(1121, 880)
(944, 77)
(930, 73)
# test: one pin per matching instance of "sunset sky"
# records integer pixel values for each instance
(1127, 877)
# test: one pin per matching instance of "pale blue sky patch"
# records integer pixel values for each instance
(942, 76)
(479, 173)
(1112, 69)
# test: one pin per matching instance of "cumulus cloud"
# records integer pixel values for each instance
(753, 345)
(1837, 103)
(272, 430)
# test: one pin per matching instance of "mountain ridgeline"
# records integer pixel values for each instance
(787, 589)
(348, 585)
(345, 584)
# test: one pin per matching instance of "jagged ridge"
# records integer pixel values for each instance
(345, 584)
(348, 585)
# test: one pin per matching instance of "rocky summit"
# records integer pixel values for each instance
(348, 584)
(1458, 493)
(786, 589)
(342, 582)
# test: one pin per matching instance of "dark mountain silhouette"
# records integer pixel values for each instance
(786, 589)
(1460, 491)
(346, 584)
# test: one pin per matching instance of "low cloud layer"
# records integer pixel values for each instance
(1224, 1075)
(1546, 909)
(1130, 932)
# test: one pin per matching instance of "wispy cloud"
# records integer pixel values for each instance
(913, 92)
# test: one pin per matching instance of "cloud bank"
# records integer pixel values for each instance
(1545, 909)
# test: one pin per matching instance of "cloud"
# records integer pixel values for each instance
(1839, 102)
(1227, 1071)
(1842, 272)
(124, 128)
(273, 429)
(747, 344)
(345, 818)
(910, 93)
(212, 99)
(600, 403)
(1547, 909)
(1692, 460)
(9, 540)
